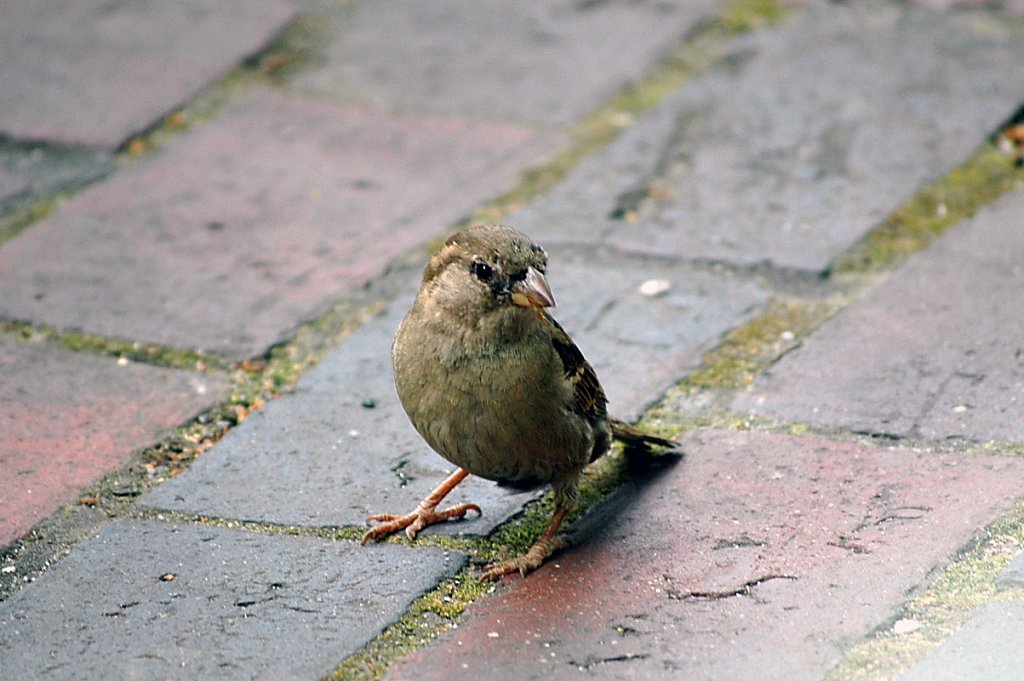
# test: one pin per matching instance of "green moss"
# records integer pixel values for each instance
(427, 618)
(997, 449)
(435, 612)
(798, 428)
(943, 608)
(749, 349)
(746, 15)
(78, 341)
(296, 46)
(933, 210)
(13, 224)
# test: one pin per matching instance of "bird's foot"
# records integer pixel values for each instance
(531, 560)
(413, 522)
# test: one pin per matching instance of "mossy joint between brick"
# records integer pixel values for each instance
(935, 208)
(328, 532)
(80, 341)
(286, 52)
(19, 219)
(747, 350)
(449, 600)
(944, 606)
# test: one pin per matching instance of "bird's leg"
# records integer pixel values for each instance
(424, 514)
(534, 556)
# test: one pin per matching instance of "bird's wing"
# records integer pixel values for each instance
(589, 397)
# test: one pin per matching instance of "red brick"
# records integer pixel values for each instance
(831, 536)
(66, 419)
(255, 222)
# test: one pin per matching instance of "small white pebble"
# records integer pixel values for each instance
(492, 634)
(788, 335)
(960, 409)
(353, 433)
(621, 119)
(655, 287)
(905, 626)
(8, 569)
(122, 361)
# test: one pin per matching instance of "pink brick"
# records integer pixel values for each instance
(254, 222)
(830, 536)
(66, 419)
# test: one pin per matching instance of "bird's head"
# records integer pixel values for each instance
(487, 268)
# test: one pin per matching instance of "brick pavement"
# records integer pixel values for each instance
(856, 469)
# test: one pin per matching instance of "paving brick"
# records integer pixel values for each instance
(990, 647)
(93, 72)
(66, 419)
(240, 605)
(640, 345)
(1015, 7)
(1012, 576)
(804, 138)
(321, 457)
(819, 541)
(937, 350)
(538, 63)
(254, 222)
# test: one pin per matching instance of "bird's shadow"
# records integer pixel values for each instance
(641, 468)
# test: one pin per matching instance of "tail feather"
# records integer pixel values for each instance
(633, 437)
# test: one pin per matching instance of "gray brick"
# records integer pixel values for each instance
(93, 72)
(990, 647)
(937, 350)
(319, 457)
(1012, 576)
(29, 174)
(240, 605)
(805, 138)
(538, 62)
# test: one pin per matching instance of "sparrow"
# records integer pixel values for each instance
(496, 386)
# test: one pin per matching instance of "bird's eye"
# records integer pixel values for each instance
(482, 271)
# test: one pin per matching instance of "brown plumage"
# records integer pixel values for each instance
(495, 385)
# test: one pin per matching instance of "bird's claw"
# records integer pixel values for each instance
(413, 522)
(531, 560)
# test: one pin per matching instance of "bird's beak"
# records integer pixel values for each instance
(532, 291)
